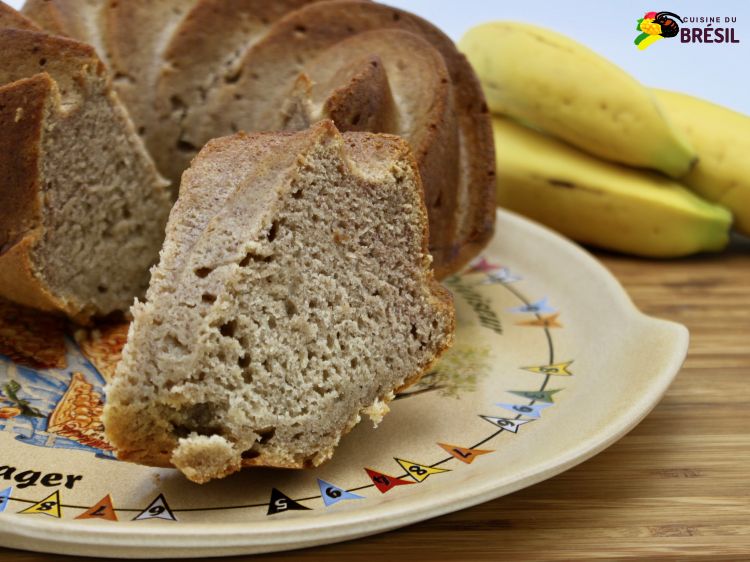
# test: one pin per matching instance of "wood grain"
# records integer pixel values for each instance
(676, 488)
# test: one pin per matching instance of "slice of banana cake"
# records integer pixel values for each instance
(82, 207)
(294, 292)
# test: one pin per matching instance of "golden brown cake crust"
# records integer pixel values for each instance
(22, 107)
(11, 19)
(49, 16)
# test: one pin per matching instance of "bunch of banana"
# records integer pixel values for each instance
(721, 138)
(600, 203)
(584, 148)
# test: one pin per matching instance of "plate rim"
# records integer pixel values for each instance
(189, 539)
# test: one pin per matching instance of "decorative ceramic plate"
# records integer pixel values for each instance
(552, 363)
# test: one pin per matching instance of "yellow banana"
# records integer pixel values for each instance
(721, 138)
(555, 84)
(601, 203)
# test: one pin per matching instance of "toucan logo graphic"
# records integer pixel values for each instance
(655, 26)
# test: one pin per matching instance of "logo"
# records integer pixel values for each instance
(655, 26)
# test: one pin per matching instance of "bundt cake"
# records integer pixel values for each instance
(264, 337)
(82, 207)
(192, 70)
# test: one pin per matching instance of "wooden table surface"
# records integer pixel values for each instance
(676, 488)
